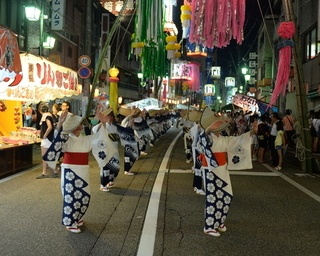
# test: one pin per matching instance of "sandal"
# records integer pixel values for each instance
(55, 175)
(42, 176)
(222, 228)
(211, 232)
(80, 223)
(110, 185)
(73, 229)
(104, 189)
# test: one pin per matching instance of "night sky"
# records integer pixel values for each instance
(233, 55)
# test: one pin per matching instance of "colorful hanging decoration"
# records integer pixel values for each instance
(137, 48)
(286, 31)
(185, 18)
(214, 23)
(113, 90)
(171, 46)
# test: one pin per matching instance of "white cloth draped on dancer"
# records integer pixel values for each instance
(111, 169)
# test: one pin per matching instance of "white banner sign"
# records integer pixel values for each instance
(42, 81)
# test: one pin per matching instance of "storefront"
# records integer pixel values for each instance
(39, 80)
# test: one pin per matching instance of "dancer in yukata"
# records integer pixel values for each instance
(116, 133)
(75, 167)
(222, 153)
(194, 116)
(184, 124)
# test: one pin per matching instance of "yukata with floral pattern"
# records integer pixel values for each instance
(222, 152)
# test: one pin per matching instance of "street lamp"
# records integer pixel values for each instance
(33, 13)
(140, 76)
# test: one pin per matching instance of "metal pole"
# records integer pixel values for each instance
(302, 107)
(41, 28)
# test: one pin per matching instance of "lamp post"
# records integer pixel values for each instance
(140, 76)
(219, 101)
(244, 71)
(34, 13)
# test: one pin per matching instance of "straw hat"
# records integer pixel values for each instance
(211, 121)
(184, 113)
(125, 111)
(72, 123)
(107, 111)
(194, 116)
(135, 112)
(154, 112)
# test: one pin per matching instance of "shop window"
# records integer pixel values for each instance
(69, 52)
(59, 46)
(311, 45)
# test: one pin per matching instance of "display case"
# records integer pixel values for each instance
(15, 158)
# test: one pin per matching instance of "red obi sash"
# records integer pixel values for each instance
(76, 158)
(221, 158)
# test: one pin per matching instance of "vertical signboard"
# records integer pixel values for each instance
(58, 13)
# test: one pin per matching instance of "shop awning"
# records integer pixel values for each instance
(42, 80)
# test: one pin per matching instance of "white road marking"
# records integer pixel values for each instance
(295, 184)
(147, 240)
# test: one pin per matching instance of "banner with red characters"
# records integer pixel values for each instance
(10, 65)
(41, 80)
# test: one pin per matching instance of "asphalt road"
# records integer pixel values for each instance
(157, 213)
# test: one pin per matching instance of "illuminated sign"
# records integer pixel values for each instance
(230, 82)
(42, 80)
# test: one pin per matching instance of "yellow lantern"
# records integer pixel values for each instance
(113, 90)
(171, 46)
(113, 72)
(185, 19)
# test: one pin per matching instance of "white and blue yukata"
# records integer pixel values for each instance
(222, 153)
(186, 125)
(125, 135)
(75, 168)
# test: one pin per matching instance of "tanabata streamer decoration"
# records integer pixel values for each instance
(185, 20)
(214, 23)
(149, 31)
(286, 31)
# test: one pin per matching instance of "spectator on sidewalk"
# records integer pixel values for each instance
(46, 136)
(315, 135)
(273, 134)
(263, 137)
(279, 144)
(288, 126)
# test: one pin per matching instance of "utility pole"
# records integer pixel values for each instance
(302, 106)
